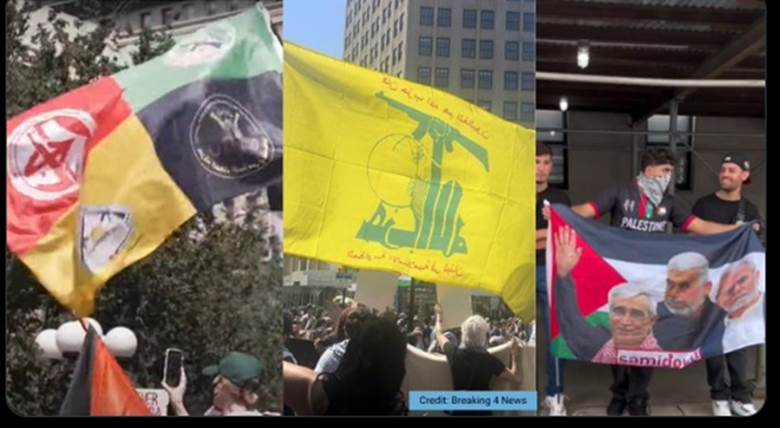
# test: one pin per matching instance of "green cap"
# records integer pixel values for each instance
(237, 367)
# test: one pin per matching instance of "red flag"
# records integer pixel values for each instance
(100, 387)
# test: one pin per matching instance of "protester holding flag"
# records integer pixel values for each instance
(551, 195)
(728, 205)
(643, 205)
(472, 366)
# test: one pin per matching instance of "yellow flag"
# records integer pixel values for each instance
(385, 174)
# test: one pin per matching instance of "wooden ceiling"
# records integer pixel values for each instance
(708, 39)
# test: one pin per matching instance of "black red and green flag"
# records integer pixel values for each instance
(99, 386)
(99, 177)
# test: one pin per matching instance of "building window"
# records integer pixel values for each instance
(468, 48)
(486, 49)
(395, 28)
(512, 51)
(401, 23)
(510, 80)
(527, 111)
(529, 22)
(485, 104)
(466, 78)
(233, 5)
(396, 4)
(426, 16)
(443, 47)
(400, 51)
(146, 19)
(510, 110)
(442, 77)
(395, 52)
(485, 79)
(528, 82)
(425, 47)
(528, 52)
(660, 122)
(186, 11)
(552, 119)
(211, 7)
(424, 75)
(444, 17)
(513, 21)
(486, 19)
(469, 18)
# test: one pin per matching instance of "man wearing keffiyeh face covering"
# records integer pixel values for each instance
(644, 204)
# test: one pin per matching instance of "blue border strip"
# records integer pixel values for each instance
(518, 401)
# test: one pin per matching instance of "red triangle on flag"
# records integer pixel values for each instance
(112, 392)
(593, 276)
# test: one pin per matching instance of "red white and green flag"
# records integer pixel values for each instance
(655, 300)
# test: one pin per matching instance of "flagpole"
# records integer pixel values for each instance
(83, 324)
(410, 321)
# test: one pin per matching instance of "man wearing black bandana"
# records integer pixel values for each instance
(644, 204)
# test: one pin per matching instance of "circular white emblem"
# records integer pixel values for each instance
(206, 45)
(46, 153)
(227, 140)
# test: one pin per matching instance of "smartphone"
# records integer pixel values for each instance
(174, 361)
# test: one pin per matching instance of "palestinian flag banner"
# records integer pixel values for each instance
(651, 299)
(390, 175)
(99, 177)
(99, 386)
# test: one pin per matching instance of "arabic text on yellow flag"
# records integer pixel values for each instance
(385, 174)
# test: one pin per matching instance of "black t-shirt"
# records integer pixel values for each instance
(713, 208)
(632, 210)
(553, 196)
(472, 369)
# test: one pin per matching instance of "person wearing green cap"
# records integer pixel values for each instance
(236, 379)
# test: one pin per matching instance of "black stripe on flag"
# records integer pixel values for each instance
(219, 138)
(78, 399)
(657, 248)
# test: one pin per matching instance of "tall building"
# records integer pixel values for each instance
(480, 50)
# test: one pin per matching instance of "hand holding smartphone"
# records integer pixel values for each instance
(174, 361)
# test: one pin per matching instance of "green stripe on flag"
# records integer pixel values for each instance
(239, 47)
(559, 347)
